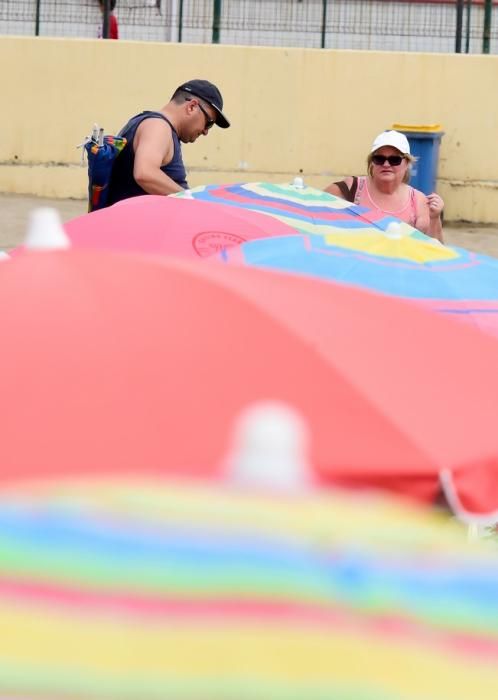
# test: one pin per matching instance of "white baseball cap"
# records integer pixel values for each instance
(392, 138)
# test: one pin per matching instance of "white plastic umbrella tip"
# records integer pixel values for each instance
(270, 448)
(45, 230)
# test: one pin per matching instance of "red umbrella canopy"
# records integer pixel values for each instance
(168, 225)
(121, 364)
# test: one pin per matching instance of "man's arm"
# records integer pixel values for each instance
(153, 145)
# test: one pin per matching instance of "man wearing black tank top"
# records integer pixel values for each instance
(151, 162)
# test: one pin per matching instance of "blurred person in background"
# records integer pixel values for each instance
(385, 187)
(113, 22)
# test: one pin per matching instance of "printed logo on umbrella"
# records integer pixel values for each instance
(210, 242)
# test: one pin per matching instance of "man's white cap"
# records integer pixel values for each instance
(391, 138)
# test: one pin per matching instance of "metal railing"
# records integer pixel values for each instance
(398, 25)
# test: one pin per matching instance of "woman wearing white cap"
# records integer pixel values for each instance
(386, 187)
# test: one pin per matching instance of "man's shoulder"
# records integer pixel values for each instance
(149, 120)
(150, 114)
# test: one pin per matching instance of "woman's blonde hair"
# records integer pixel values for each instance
(407, 156)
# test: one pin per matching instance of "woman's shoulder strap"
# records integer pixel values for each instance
(347, 192)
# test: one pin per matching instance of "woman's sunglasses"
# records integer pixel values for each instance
(392, 160)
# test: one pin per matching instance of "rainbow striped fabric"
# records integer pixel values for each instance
(154, 590)
(348, 243)
(306, 209)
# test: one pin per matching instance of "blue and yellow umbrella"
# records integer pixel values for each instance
(399, 262)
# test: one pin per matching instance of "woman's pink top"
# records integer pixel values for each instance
(407, 213)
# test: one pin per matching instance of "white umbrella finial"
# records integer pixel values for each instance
(394, 230)
(298, 183)
(270, 448)
(45, 230)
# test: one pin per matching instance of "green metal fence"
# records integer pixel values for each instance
(399, 25)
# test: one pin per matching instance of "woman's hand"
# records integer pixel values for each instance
(435, 204)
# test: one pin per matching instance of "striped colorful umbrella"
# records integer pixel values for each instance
(170, 226)
(449, 280)
(305, 209)
(147, 590)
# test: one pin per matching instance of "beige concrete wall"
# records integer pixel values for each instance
(293, 111)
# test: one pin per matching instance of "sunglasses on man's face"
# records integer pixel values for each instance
(392, 160)
(208, 121)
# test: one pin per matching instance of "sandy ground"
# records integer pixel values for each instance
(15, 209)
